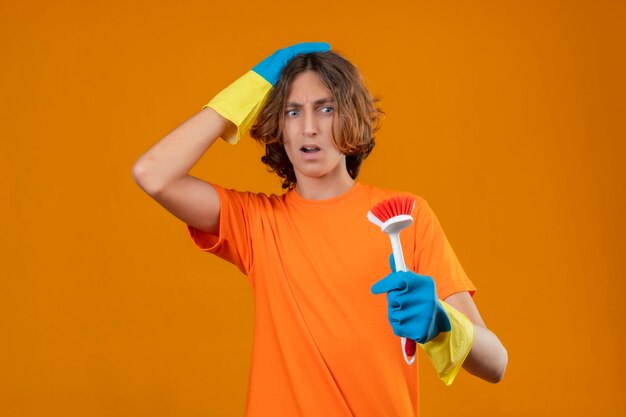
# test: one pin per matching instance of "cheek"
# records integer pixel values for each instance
(287, 133)
(336, 128)
(336, 137)
(287, 142)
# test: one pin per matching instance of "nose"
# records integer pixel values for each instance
(310, 124)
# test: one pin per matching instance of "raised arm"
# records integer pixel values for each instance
(163, 171)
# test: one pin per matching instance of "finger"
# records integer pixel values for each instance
(422, 284)
(391, 282)
(392, 262)
(307, 47)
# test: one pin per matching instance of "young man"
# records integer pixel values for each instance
(323, 344)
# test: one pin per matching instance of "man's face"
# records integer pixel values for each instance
(308, 130)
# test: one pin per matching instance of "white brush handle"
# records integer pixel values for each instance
(398, 258)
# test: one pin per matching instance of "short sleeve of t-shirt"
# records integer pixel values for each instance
(233, 243)
(434, 255)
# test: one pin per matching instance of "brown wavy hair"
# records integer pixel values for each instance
(359, 116)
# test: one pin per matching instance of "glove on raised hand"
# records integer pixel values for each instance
(414, 311)
(241, 101)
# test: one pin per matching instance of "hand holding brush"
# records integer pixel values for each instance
(414, 311)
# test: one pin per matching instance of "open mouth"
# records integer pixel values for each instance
(310, 149)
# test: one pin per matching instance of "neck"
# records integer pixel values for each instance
(322, 188)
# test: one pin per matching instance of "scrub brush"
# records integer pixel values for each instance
(392, 216)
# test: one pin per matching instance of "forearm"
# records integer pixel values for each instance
(488, 358)
(173, 156)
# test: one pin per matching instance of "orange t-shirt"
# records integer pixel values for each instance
(322, 342)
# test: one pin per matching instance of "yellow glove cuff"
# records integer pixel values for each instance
(241, 102)
(448, 350)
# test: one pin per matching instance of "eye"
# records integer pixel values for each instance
(291, 113)
(327, 109)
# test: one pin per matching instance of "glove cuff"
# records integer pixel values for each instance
(241, 102)
(448, 350)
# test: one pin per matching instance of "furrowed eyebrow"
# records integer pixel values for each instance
(293, 104)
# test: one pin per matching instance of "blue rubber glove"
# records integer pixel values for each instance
(271, 66)
(242, 100)
(414, 309)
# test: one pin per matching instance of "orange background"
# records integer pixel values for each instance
(507, 116)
